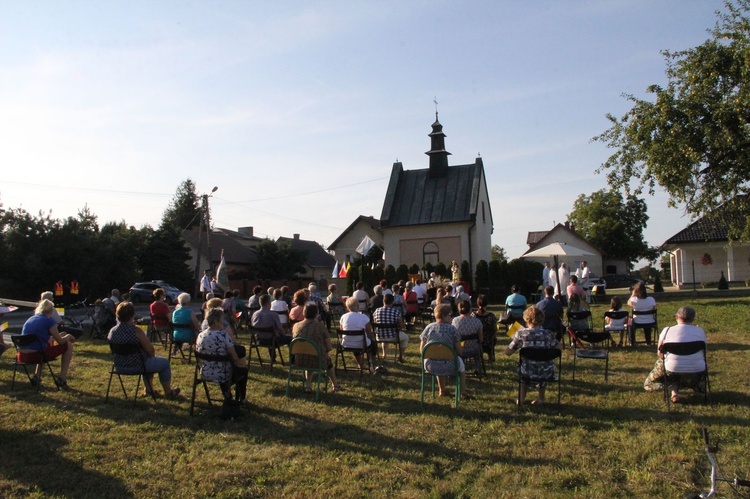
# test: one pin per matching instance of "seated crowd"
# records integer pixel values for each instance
(385, 319)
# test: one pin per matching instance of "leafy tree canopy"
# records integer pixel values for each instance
(613, 225)
(498, 254)
(183, 211)
(277, 260)
(692, 138)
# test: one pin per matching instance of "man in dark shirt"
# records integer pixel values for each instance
(553, 312)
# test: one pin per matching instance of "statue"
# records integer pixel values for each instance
(456, 271)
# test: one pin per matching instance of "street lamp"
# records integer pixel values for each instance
(205, 220)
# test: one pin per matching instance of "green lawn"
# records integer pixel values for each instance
(610, 439)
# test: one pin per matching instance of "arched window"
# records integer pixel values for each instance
(430, 253)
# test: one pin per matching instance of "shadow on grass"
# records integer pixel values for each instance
(37, 466)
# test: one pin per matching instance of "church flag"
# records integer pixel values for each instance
(343, 271)
(365, 246)
(336, 269)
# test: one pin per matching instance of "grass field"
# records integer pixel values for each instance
(609, 440)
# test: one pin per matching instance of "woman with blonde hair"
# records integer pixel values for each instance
(44, 327)
(534, 336)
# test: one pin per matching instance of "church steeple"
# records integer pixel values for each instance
(437, 153)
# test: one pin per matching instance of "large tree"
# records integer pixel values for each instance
(183, 211)
(278, 260)
(613, 224)
(692, 137)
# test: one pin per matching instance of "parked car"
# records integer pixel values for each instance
(619, 280)
(143, 292)
(595, 280)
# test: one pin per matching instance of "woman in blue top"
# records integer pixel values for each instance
(515, 304)
(183, 315)
(44, 327)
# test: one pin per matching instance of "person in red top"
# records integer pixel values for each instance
(410, 301)
(159, 310)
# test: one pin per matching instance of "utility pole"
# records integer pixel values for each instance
(204, 220)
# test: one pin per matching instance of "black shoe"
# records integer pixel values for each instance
(34, 382)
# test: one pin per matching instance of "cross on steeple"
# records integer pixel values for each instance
(436, 109)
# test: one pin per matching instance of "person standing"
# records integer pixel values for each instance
(545, 275)
(564, 276)
(206, 284)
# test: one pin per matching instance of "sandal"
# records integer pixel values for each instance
(336, 388)
(173, 394)
(308, 389)
(675, 398)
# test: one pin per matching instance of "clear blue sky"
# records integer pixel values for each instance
(297, 110)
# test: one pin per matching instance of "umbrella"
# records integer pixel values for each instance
(554, 250)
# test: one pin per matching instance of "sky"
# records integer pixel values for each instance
(297, 110)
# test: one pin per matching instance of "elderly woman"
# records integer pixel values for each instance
(61, 328)
(534, 336)
(296, 314)
(125, 332)
(43, 326)
(334, 302)
(225, 325)
(489, 326)
(159, 311)
(688, 366)
(358, 321)
(441, 330)
(466, 325)
(216, 341)
(640, 302)
(314, 330)
(186, 319)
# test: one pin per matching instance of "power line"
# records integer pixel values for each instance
(313, 192)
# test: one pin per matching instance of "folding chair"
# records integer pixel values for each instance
(385, 340)
(617, 315)
(155, 333)
(579, 322)
(198, 378)
(651, 323)
(172, 344)
(305, 346)
(285, 324)
(362, 351)
(26, 344)
(272, 343)
(596, 347)
(478, 357)
(686, 348)
(539, 355)
(436, 350)
(128, 349)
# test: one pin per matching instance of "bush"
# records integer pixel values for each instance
(390, 274)
(441, 270)
(658, 287)
(466, 273)
(723, 284)
(482, 277)
(402, 272)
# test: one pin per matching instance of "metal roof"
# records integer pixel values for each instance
(415, 198)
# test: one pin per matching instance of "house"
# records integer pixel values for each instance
(345, 246)
(239, 259)
(437, 214)
(318, 264)
(702, 251)
(243, 235)
(565, 233)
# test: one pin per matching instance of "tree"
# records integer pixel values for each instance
(183, 211)
(278, 260)
(482, 276)
(498, 254)
(466, 272)
(692, 138)
(613, 225)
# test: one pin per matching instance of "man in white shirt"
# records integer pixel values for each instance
(545, 275)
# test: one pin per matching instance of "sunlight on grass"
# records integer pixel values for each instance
(609, 439)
